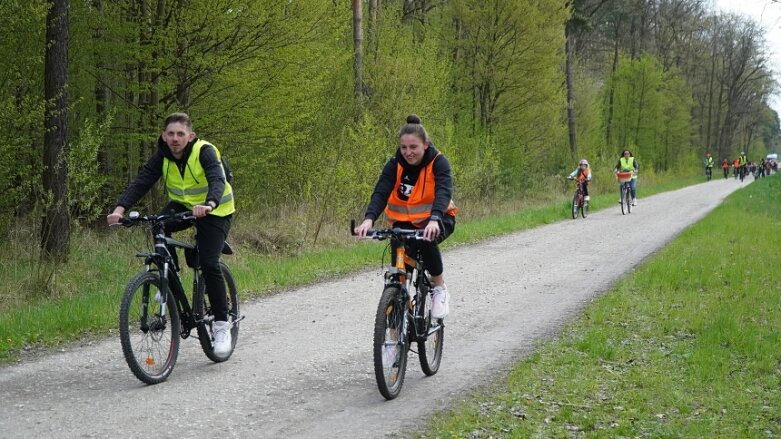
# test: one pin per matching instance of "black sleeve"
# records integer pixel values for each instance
(150, 173)
(382, 190)
(444, 186)
(214, 174)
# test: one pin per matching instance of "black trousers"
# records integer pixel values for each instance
(210, 234)
(432, 257)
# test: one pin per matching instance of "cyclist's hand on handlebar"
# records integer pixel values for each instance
(364, 228)
(431, 231)
(200, 211)
(115, 216)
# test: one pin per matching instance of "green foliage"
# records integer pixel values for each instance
(650, 113)
(85, 181)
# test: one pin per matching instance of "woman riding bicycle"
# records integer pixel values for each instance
(627, 162)
(416, 189)
(583, 175)
(195, 181)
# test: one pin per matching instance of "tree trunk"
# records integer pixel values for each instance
(358, 64)
(570, 53)
(55, 230)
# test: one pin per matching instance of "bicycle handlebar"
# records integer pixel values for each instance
(391, 232)
(135, 218)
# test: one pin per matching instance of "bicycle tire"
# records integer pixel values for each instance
(623, 194)
(584, 210)
(150, 351)
(390, 324)
(202, 308)
(628, 199)
(575, 206)
(430, 346)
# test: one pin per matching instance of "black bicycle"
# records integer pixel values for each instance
(579, 203)
(155, 312)
(708, 173)
(404, 314)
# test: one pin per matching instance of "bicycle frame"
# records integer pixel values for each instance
(400, 276)
(162, 261)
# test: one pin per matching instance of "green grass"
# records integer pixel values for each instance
(689, 345)
(43, 306)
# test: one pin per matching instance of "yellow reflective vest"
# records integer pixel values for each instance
(192, 188)
(628, 165)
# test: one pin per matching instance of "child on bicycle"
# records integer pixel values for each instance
(416, 189)
(583, 175)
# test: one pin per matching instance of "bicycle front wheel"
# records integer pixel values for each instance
(624, 193)
(390, 343)
(203, 309)
(575, 206)
(628, 199)
(431, 344)
(150, 340)
(584, 209)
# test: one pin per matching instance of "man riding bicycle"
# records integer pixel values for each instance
(195, 181)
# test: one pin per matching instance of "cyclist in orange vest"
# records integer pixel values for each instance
(416, 189)
(725, 167)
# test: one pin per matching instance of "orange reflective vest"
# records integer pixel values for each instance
(417, 208)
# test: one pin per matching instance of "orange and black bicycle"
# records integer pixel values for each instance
(404, 313)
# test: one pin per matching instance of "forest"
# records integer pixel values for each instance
(305, 98)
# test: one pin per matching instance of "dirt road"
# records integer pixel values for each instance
(303, 365)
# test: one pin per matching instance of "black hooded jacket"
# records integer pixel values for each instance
(153, 170)
(387, 182)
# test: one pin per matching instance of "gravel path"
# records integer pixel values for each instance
(303, 365)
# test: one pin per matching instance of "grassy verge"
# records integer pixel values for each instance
(89, 287)
(689, 345)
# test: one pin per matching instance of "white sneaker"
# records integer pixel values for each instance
(586, 198)
(222, 338)
(439, 302)
(634, 202)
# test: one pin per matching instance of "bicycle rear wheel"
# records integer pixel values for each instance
(390, 343)
(150, 342)
(431, 343)
(202, 308)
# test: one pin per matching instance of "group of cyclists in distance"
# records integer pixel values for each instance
(741, 167)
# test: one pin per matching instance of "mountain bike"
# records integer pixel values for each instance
(579, 203)
(404, 313)
(625, 189)
(155, 312)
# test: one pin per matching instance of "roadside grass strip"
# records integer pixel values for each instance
(689, 345)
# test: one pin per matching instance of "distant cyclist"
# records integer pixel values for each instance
(743, 163)
(708, 165)
(627, 162)
(735, 168)
(583, 175)
(725, 167)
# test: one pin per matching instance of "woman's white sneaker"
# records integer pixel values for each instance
(439, 302)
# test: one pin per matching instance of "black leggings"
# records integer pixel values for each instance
(210, 234)
(429, 249)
